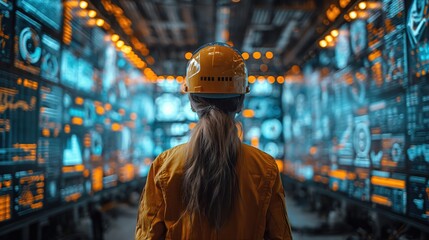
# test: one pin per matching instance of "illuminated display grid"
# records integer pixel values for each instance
(50, 146)
(6, 189)
(18, 119)
(418, 194)
(29, 191)
(389, 190)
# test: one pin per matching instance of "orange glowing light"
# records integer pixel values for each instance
(245, 55)
(254, 141)
(77, 121)
(340, 174)
(353, 14)
(271, 79)
(79, 101)
(188, 55)
(116, 127)
(92, 13)
(313, 150)
(120, 43)
(67, 128)
(252, 79)
(108, 106)
(261, 79)
(192, 125)
(179, 79)
(380, 200)
(388, 182)
(280, 79)
(99, 110)
(99, 22)
(362, 5)
(115, 37)
(323, 43)
(256, 55)
(334, 33)
(269, 55)
(248, 113)
(83, 4)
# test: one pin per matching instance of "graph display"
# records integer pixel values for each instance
(18, 115)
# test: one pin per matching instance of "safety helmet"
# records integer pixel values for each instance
(216, 70)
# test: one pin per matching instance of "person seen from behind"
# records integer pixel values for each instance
(214, 186)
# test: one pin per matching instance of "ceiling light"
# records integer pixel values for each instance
(83, 4)
(362, 5)
(115, 37)
(188, 55)
(353, 14)
(256, 55)
(334, 33)
(245, 55)
(269, 55)
(323, 43)
(92, 13)
(99, 22)
(120, 43)
(329, 38)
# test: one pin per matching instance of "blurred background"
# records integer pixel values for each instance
(90, 94)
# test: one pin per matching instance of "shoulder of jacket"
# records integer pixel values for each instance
(162, 161)
(261, 156)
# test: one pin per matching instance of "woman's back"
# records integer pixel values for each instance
(258, 212)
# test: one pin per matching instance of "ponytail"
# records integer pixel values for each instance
(210, 182)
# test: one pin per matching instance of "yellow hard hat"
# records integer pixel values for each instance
(216, 70)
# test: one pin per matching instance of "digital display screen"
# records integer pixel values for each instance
(394, 52)
(72, 188)
(359, 184)
(18, 115)
(6, 28)
(342, 48)
(360, 125)
(338, 181)
(6, 201)
(29, 194)
(389, 190)
(418, 194)
(50, 13)
(77, 73)
(388, 132)
(418, 35)
(50, 147)
(28, 44)
(50, 66)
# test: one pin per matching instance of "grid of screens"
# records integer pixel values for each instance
(358, 124)
(75, 116)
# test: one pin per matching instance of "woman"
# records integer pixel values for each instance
(214, 186)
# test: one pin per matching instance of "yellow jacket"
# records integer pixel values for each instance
(259, 211)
